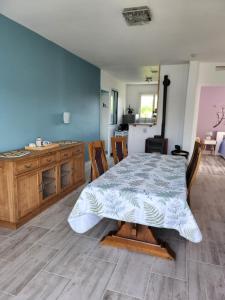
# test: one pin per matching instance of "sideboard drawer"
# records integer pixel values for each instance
(26, 166)
(66, 154)
(46, 160)
(77, 150)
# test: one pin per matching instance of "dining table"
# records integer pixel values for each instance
(142, 192)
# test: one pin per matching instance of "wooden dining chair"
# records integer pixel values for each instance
(98, 159)
(119, 148)
(193, 167)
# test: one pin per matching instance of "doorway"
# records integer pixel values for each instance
(104, 118)
(211, 117)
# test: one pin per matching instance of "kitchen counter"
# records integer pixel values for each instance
(142, 124)
(137, 135)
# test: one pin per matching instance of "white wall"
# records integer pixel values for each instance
(191, 109)
(104, 117)
(133, 94)
(200, 74)
(176, 100)
(209, 76)
(108, 83)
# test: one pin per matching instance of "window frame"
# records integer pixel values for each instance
(155, 101)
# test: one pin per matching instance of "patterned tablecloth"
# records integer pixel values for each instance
(148, 189)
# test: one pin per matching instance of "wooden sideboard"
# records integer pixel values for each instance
(31, 183)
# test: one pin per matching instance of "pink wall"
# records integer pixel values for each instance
(212, 100)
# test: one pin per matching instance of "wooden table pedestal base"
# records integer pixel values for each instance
(138, 238)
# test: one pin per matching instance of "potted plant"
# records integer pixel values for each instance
(130, 110)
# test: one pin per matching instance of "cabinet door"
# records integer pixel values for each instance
(48, 178)
(78, 168)
(27, 193)
(66, 174)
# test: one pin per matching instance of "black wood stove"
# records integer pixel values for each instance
(159, 143)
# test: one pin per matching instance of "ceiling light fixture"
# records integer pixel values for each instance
(137, 15)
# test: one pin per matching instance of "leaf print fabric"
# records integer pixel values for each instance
(148, 189)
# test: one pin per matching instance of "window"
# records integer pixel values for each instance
(148, 105)
(113, 107)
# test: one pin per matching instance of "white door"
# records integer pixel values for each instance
(104, 118)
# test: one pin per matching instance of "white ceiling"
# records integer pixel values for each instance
(96, 31)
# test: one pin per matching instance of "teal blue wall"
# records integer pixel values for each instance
(38, 82)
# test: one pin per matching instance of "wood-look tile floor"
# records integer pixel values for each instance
(46, 260)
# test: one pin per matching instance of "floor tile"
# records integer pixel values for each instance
(52, 216)
(44, 286)
(216, 231)
(70, 199)
(41, 252)
(109, 295)
(173, 268)
(6, 297)
(223, 269)
(131, 275)
(89, 281)
(106, 253)
(18, 273)
(165, 288)
(20, 241)
(30, 234)
(221, 251)
(99, 230)
(205, 281)
(58, 236)
(3, 264)
(65, 263)
(203, 252)
(5, 231)
(3, 239)
(12, 249)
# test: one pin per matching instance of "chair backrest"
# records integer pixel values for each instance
(193, 166)
(98, 158)
(119, 148)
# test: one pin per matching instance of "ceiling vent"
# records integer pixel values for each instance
(220, 68)
(137, 15)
